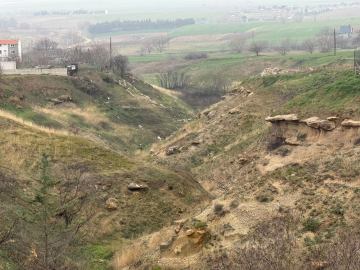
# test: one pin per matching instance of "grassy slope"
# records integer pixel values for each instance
(21, 150)
(104, 110)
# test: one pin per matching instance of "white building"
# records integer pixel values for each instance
(10, 48)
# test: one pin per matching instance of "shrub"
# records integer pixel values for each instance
(311, 225)
(195, 55)
(218, 209)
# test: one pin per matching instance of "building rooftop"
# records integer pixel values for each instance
(10, 41)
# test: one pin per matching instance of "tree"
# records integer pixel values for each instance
(257, 47)
(284, 46)
(325, 39)
(58, 211)
(160, 43)
(238, 44)
(45, 45)
(356, 40)
(309, 45)
(147, 46)
(121, 63)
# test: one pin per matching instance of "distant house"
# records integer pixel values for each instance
(10, 48)
(346, 30)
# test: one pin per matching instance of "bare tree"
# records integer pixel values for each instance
(100, 56)
(121, 62)
(160, 43)
(284, 46)
(309, 45)
(325, 39)
(257, 46)
(238, 44)
(147, 45)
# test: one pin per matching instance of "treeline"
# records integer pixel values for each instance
(118, 25)
(80, 11)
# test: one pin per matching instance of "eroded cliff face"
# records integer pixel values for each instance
(306, 139)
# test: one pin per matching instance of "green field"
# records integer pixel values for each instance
(265, 30)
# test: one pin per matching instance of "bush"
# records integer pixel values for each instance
(311, 225)
(195, 55)
(218, 209)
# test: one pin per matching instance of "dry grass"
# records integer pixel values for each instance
(91, 114)
(14, 118)
(131, 253)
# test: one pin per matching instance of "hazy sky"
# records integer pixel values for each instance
(21, 6)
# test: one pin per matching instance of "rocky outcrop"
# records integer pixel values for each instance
(134, 187)
(313, 122)
(287, 117)
(350, 123)
(233, 111)
(316, 122)
(166, 245)
(172, 150)
(111, 204)
(327, 125)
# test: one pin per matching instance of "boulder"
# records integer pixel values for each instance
(111, 204)
(287, 117)
(134, 186)
(292, 141)
(172, 150)
(332, 118)
(313, 122)
(350, 123)
(234, 110)
(327, 125)
(164, 246)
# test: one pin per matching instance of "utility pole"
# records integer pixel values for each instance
(334, 43)
(110, 54)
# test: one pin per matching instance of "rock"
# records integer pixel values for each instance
(287, 117)
(206, 112)
(180, 222)
(65, 98)
(111, 204)
(190, 232)
(235, 110)
(319, 265)
(350, 123)
(195, 142)
(172, 150)
(211, 115)
(327, 125)
(134, 186)
(177, 249)
(313, 122)
(177, 229)
(152, 151)
(223, 97)
(332, 118)
(198, 115)
(292, 141)
(242, 160)
(164, 246)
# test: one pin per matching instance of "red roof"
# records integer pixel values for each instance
(4, 42)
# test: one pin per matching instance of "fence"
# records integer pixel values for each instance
(37, 71)
(357, 62)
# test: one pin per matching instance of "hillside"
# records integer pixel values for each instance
(297, 176)
(122, 114)
(72, 193)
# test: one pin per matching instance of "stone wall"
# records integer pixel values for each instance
(37, 71)
(8, 65)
